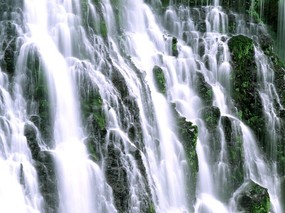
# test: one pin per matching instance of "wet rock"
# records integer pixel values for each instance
(30, 133)
(211, 117)
(120, 83)
(116, 175)
(254, 198)
(45, 166)
(234, 146)
(204, 89)
(159, 79)
(188, 134)
(174, 47)
(245, 93)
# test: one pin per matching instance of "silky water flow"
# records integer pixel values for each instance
(74, 47)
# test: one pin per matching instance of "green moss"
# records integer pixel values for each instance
(188, 134)
(211, 116)
(245, 86)
(174, 47)
(92, 108)
(84, 11)
(165, 3)
(92, 150)
(234, 146)
(103, 29)
(159, 79)
(241, 47)
(254, 11)
(203, 89)
(254, 199)
(151, 208)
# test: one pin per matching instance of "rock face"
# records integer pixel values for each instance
(44, 164)
(254, 198)
(159, 79)
(117, 167)
(244, 81)
(188, 134)
(11, 19)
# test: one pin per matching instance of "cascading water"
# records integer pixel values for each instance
(106, 94)
(81, 184)
(19, 187)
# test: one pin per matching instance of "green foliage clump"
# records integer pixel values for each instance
(204, 89)
(151, 208)
(188, 135)
(165, 3)
(104, 29)
(92, 108)
(254, 198)
(211, 116)
(242, 48)
(254, 11)
(245, 86)
(159, 79)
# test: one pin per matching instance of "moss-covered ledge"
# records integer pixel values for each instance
(188, 134)
(244, 82)
(253, 198)
(159, 79)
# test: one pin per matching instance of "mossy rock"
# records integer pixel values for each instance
(254, 198)
(45, 166)
(117, 177)
(245, 86)
(204, 89)
(234, 146)
(188, 134)
(159, 78)
(174, 47)
(211, 117)
(9, 48)
(120, 83)
(241, 48)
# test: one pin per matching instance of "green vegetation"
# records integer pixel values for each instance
(211, 116)
(151, 208)
(244, 91)
(91, 148)
(92, 108)
(254, 11)
(104, 29)
(242, 48)
(188, 134)
(159, 79)
(254, 199)
(174, 47)
(204, 89)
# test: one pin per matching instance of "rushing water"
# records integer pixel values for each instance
(100, 57)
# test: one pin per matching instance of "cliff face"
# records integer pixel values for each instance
(176, 103)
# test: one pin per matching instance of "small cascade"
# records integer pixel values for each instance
(81, 184)
(259, 170)
(214, 147)
(160, 159)
(19, 186)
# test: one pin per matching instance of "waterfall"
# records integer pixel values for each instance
(52, 26)
(138, 106)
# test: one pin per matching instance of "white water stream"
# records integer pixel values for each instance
(53, 26)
